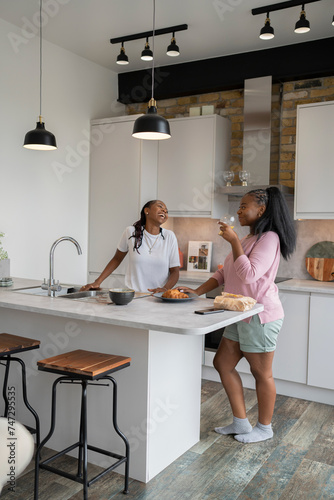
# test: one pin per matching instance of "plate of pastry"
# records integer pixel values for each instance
(175, 296)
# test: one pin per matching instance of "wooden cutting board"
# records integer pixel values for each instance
(319, 261)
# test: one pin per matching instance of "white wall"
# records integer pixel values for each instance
(44, 194)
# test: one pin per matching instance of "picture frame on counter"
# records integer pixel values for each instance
(199, 256)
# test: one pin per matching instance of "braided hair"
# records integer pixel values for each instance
(139, 226)
(276, 217)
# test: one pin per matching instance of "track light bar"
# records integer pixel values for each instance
(280, 6)
(148, 34)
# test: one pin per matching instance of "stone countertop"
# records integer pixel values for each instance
(148, 313)
(310, 286)
(296, 285)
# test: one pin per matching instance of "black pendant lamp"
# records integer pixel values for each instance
(40, 138)
(151, 126)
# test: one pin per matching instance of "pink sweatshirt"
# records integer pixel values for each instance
(253, 274)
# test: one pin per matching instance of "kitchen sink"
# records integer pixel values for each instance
(38, 290)
(82, 295)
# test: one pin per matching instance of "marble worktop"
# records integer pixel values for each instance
(148, 313)
(296, 285)
(310, 286)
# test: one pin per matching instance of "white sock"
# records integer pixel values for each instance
(239, 426)
(259, 433)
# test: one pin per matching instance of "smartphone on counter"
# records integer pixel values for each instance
(209, 310)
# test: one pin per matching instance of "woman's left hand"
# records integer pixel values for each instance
(156, 290)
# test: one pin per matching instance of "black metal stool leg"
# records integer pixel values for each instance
(51, 431)
(120, 433)
(24, 394)
(79, 474)
(5, 384)
(25, 399)
(84, 436)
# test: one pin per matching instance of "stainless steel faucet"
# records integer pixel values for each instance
(51, 285)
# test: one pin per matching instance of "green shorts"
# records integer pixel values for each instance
(254, 336)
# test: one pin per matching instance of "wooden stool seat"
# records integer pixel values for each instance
(11, 344)
(84, 364)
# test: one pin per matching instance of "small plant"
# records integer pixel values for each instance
(3, 254)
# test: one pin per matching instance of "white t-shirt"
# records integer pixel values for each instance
(149, 270)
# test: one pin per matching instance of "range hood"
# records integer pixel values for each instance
(257, 138)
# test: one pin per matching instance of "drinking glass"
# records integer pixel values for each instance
(228, 177)
(244, 177)
(227, 219)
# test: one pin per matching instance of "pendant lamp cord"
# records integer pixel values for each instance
(153, 49)
(40, 61)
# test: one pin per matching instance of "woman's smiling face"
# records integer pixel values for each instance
(157, 212)
(249, 211)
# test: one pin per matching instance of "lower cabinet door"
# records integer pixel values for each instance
(290, 360)
(321, 343)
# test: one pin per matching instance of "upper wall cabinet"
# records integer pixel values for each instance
(190, 166)
(122, 178)
(314, 161)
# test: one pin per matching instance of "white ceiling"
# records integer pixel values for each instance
(215, 27)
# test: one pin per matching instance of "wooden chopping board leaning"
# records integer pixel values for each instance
(319, 261)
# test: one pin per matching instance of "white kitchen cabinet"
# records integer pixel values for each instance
(314, 161)
(122, 178)
(290, 360)
(190, 166)
(321, 342)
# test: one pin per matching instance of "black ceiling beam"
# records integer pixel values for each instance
(280, 6)
(148, 34)
(288, 63)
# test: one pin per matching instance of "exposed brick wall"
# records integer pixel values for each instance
(285, 98)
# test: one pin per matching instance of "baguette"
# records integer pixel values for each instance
(233, 302)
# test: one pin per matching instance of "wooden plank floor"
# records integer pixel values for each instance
(298, 463)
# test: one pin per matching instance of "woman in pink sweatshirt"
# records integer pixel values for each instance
(250, 269)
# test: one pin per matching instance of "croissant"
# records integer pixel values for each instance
(174, 294)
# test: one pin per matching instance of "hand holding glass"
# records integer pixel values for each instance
(227, 219)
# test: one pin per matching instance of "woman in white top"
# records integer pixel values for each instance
(154, 261)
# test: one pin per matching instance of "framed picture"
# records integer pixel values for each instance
(199, 256)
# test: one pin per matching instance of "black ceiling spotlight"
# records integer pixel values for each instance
(303, 25)
(173, 49)
(147, 54)
(333, 21)
(267, 32)
(122, 58)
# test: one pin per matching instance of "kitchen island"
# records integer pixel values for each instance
(159, 394)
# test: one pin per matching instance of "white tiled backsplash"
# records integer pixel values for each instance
(309, 232)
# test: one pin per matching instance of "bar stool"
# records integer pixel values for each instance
(80, 367)
(9, 345)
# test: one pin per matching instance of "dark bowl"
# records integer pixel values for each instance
(121, 296)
